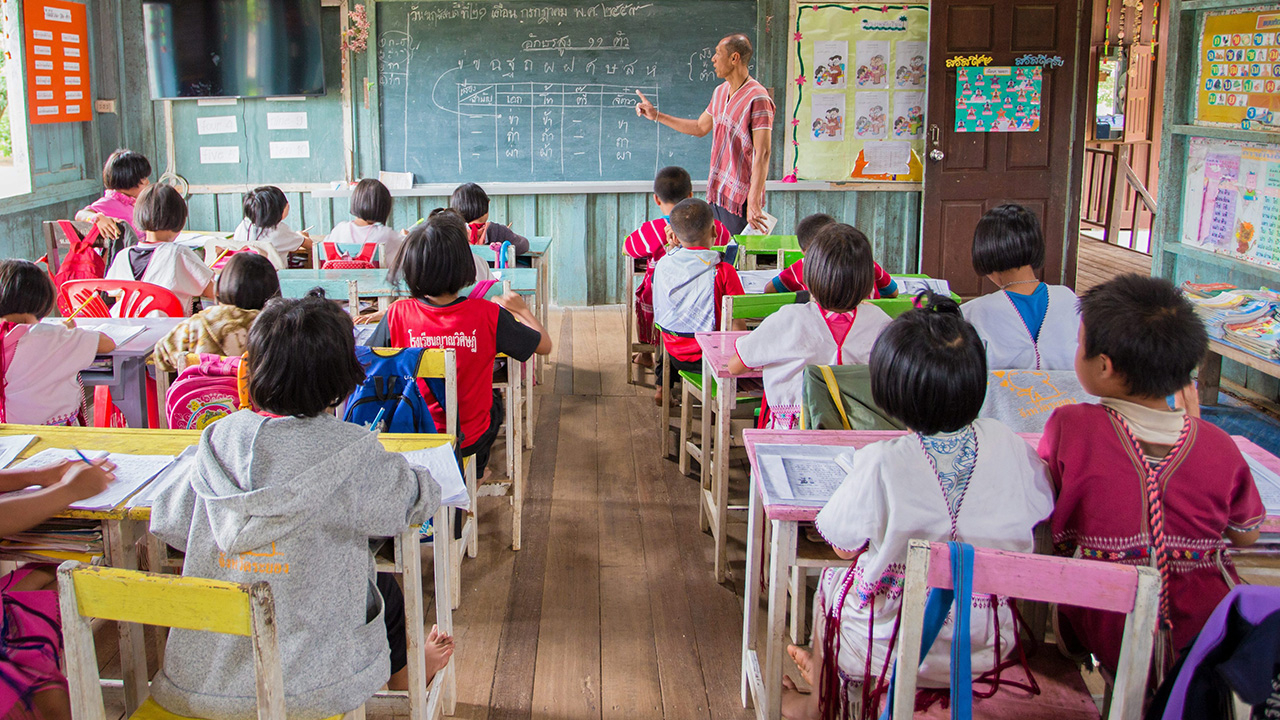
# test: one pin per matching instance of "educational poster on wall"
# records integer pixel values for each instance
(56, 43)
(1239, 70)
(1232, 200)
(856, 96)
(998, 99)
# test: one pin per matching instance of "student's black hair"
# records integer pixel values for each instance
(929, 368)
(1007, 237)
(470, 200)
(160, 208)
(371, 201)
(125, 169)
(672, 184)
(302, 356)
(248, 281)
(809, 227)
(839, 267)
(1148, 329)
(738, 43)
(436, 259)
(264, 206)
(25, 288)
(692, 221)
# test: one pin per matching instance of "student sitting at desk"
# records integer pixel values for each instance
(265, 209)
(650, 241)
(30, 638)
(161, 213)
(41, 362)
(792, 278)
(688, 285)
(371, 208)
(1137, 480)
(472, 203)
(836, 329)
(1027, 324)
(125, 175)
(290, 494)
(954, 477)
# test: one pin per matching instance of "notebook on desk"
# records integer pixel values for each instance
(132, 473)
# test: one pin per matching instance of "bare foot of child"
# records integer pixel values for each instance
(803, 659)
(657, 397)
(796, 705)
(643, 359)
(438, 651)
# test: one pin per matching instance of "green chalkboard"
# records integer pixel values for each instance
(537, 92)
(204, 158)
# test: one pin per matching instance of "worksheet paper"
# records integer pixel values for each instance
(176, 471)
(755, 281)
(132, 472)
(1268, 485)
(11, 446)
(120, 334)
(443, 465)
(914, 286)
(802, 474)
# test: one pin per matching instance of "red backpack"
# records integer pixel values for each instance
(342, 261)
(83, 261)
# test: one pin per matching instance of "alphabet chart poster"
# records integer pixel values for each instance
(1232, 200)
(855, 95)
(56, 39)
(1239, 64)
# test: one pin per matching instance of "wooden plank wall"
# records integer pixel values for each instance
(588, 229)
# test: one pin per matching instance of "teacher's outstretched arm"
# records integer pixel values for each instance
(696, 128)
(761, 141)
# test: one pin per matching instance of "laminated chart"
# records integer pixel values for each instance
(1239, 70)
(1232, 200)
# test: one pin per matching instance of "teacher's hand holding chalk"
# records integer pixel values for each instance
(646, 109)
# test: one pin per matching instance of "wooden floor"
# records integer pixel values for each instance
(1098, 262)
(610, 610)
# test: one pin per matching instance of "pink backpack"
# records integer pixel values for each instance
(204, 392)
(341, 261)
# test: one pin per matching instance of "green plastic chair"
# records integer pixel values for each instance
(895, 306)
(753, 246)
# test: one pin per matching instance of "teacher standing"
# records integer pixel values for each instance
(740, 118)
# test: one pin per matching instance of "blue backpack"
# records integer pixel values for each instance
(390, 394)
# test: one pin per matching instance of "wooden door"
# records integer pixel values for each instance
(968, 173)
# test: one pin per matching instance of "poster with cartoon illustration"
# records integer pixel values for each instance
(909, 64)
(1231, 201)
(870, 115)
(873, 64)
(998, 99)
(830, 58)
(828, 117)
(908, 115)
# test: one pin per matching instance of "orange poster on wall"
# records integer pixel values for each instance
(56, 38)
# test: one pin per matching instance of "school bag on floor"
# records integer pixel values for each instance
(338, 260)
(390, 393)
(210, 388)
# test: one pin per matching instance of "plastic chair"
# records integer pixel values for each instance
(134, 299)
(1126, 589)
(371, 251)
(166, 600)
(895, 306)
(753, 246)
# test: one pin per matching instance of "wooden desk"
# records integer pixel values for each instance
(762, 680)
(127, 377)
(339, 284)
(1210, 374)
(528, 283)
(718, 348)
(123, 527)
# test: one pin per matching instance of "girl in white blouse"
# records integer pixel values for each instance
(953, 477)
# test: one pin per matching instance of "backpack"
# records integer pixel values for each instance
(83, 261)
(342, 261)
(205, 391)
(390, 393)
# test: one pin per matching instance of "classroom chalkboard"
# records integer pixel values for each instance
(538, 92)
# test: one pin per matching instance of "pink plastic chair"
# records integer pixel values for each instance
(134, 299)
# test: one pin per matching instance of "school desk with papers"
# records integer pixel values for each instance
(132, 472)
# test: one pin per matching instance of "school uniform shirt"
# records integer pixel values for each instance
(791, 279)
(119, 206)
(1102, 508)
(41, 382)
(166, 264)
(281, 237)
(649, 241)
(1009, 337)
(800, 335)
(349, 233)
(726, 282)
(491, 233)
(734, 116)
(989, 490)
(478, 330)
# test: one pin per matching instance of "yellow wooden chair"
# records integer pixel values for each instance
(86, 592)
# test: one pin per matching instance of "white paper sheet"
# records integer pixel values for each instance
(910, 64)
(287, 120)
(872, 64)
(754, 281)
(770, 222)
(914, 286)
(870, 116)
(802, 474)
(1268, 485)
(220, 155)
(443, 465)
(827, 117)
(132, 472)
(176, 471)
(290, 150)
(217, 125)
(213, 102)
(120, 334)
(396, 180)
(11, 446)
(887, 157)
(830, 64)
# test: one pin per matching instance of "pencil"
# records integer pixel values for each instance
(83, 305)
(377, 419)
(83, 457)
(220, 256)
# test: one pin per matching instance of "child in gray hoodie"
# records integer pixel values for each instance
(290, 494)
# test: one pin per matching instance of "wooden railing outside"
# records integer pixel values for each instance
(1114, 198)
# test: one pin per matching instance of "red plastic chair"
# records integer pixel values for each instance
(134, 299)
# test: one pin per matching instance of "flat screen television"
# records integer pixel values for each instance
(233, 48)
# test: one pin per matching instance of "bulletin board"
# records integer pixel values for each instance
(56, 51)
(856, 92)
(1238, 70)
(1231, 201)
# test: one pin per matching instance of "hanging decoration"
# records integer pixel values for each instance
(1120, 25)
(356, 37)
(1155, 25)
(1106, 33)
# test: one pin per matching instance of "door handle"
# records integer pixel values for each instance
(935, 138)
(936, 155)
